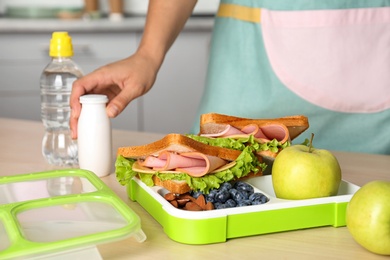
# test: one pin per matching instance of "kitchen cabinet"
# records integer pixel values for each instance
(169, 107)
(24, 56)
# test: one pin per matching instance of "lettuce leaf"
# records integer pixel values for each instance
(239, 144)
(124, 170)
(230, 143)
(246, 163)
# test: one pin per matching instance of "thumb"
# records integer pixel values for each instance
(113, 109)
(120, 102)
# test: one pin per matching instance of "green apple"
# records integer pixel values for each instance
(368, 217)
(303, 172)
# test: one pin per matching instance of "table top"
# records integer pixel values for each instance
(20, 152)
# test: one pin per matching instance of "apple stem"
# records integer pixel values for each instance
(311, 142)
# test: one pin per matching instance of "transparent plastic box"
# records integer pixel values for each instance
(47, 212)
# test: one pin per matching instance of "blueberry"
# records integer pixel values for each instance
(230, 203)
(229, 196)
(255, 196)
(243, 203)
(213, 191)
(243, 186)
(245, 194)
(236, 184)
(233, 192)
(238, 195)
(263, 199)
(211, 196)
(219, 205)
(258, 198)
(226, 185)
(222, 196)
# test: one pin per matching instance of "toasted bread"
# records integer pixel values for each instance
(176, 187)
(177, 143)
(211, 122)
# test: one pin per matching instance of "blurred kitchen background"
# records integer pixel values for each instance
(51, 8)
(100, 38)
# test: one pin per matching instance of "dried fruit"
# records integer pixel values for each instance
(188, 202)
(192, 206)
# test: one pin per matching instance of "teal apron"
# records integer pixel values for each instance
(328, 60)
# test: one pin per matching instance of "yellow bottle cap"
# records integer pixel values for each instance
(61, 45)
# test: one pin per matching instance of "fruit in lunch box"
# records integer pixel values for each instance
(229, 196)
(303, 172)
(187, 202)
(226, 196)
(368, 217)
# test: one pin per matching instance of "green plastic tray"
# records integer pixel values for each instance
(217, 226)
(57, 211)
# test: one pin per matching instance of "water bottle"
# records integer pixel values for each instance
(56, 81)
(94, 135)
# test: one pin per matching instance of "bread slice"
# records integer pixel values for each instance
(211, 123)
(176, 187)
(176, 143)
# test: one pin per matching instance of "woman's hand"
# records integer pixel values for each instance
(127, 79)
(121, 81)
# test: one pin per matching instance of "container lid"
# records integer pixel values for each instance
(93, 99)
(61, 210)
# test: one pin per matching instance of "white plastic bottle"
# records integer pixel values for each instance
(56, 81)
(94, 135)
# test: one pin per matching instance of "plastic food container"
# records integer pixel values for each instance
(215, 226)
(47, 212)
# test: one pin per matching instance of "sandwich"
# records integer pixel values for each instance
(181, 164)
(267, 136)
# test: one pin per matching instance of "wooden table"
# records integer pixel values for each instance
(20, 152)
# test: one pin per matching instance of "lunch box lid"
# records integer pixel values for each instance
(53, 211)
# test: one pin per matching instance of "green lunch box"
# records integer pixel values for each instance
(218, 225)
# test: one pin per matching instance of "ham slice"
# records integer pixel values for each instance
(194, 164)
(169, 160)
(263, 133)
(274, 131)
(212, 163)
(226, 131)
(152, 162)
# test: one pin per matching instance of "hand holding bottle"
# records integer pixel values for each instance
(121, 82)
(127, 79)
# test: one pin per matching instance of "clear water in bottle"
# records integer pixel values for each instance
(57, 146)
(56, 82)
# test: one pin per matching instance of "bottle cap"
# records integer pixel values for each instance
(93, 99)
(61, 45)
